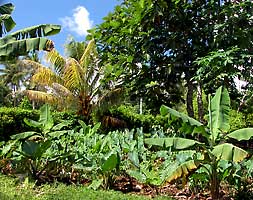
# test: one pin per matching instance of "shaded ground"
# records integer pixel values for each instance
(129, 185)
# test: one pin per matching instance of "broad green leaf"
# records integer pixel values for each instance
(229, 152)
(241, 134)
(45, 117)
(24, 135)
(11, 47)
(57, 134)
(133, 156)
(61, 125)
(33, 123)
(138, 175)
(8, 147)
(110, 163)
(164, 110)
(155, 141)
(176, 143)
(219, 108)
(8, 22)
(96, 183)
(34, 150)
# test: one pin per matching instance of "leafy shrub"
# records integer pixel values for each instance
(12, 120)
(237, 120)
(134, 120)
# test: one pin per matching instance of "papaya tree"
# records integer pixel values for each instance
(215, 144)
(23, 41)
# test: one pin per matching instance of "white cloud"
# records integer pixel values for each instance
(79, 22)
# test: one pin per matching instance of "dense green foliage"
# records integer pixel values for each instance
(133, 119)
(146, 55)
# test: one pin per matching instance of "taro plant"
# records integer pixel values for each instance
(31, 151)
(215, 145)
(44, 127)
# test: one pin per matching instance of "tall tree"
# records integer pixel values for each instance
(153, 45)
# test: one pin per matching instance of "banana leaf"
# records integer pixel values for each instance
(176, 143)
(219, 108)
(229, 152)
(29, 39)
(6, 8)
(241, 134)
(182, 170)
(189, 125)
(6, 21)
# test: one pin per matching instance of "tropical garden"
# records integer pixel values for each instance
(155, 102)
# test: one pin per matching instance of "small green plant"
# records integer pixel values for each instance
(215, 146)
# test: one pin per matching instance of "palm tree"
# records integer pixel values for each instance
(74, 82)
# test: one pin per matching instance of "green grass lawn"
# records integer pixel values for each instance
(10, 190)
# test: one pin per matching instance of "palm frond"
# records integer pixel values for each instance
(57, 60)
(41, 96)
(74, 76)
(45, 76)
(90, 50)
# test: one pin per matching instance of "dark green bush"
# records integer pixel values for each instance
(134, 120)
(12, 121)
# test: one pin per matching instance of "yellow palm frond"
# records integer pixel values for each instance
(74, 76)
(89, 51)
(57, 60)
(45, 76)
(41, 96)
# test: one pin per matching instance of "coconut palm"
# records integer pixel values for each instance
(74, 82)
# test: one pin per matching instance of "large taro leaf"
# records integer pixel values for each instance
(219, 108)
(241, 134)
(174, 142)
(34, 150)
(110, 162)
(229, 152)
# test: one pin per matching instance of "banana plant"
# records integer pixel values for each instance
(23, 41)
(215, 147)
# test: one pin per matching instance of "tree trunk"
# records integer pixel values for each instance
(189, 99)
(200, 103)
(214, 182)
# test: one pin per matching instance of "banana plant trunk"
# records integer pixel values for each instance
(214, 182)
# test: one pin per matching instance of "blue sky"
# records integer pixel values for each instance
(75, 16)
